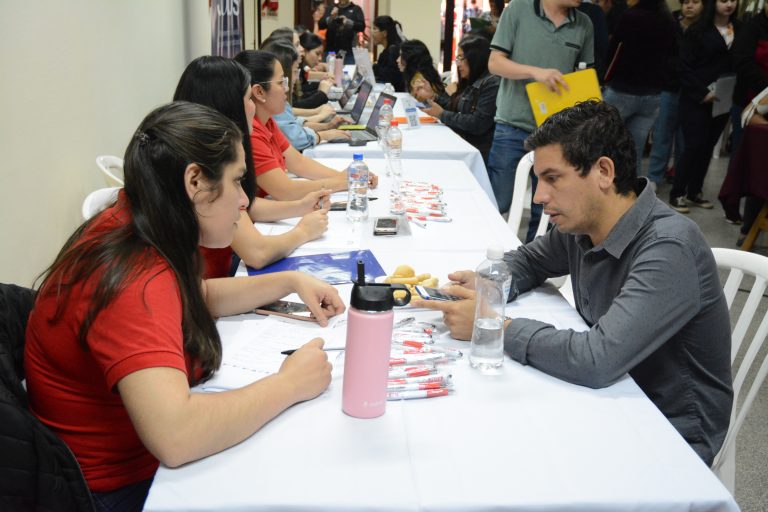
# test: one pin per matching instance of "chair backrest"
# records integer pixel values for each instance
(521, 197)
(742, 264)
(112, 168)
(99, 200)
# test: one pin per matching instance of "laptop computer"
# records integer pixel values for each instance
(360, 101)
(369, 132)
(350, 91)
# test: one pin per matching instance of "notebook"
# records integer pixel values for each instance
(583, 86)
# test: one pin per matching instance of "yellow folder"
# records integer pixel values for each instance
(583, 86)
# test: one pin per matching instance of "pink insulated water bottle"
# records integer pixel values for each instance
(369, 339)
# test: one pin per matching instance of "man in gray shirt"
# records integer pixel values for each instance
(644, 281)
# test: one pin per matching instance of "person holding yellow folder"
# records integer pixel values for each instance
(535, 40)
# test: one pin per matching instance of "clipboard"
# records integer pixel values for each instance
(583, 86)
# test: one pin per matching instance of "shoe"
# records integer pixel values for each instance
(700, 202)
(736, 222)
(679, 205)
(740, 240)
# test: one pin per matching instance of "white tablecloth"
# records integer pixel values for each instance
(429, 141)
(520, 440)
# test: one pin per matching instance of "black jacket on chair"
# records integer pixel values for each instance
(37, 470)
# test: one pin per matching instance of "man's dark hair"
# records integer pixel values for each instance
(586, 132)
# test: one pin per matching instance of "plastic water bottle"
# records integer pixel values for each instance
(330, 60)
(492, 284)
(394, 149)
(369, 341)
(389, 89)
(357, 196)
(345, 80)
(385, 119)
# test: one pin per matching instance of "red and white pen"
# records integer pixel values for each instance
(429, 213)
(416, 359)
(433, 218)
(414, 386)
(411, 371)
(452, 352)
(437, 377)
(412, 395)
(418, 222)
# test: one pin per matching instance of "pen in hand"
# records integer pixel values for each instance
(289, 352)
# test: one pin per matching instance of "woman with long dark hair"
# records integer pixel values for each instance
(225, 86)
(388, 33)
(273, 155)
(311, 94)
(705, 56)
(415, 62)
(123, 325)
(471, 109)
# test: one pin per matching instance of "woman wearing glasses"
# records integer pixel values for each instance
(471, 109)
(272, 154)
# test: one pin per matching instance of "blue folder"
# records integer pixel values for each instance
(333, 268)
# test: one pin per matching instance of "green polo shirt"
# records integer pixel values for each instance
(527, 36)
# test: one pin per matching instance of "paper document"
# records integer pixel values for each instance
(723, 95)
(255, 351)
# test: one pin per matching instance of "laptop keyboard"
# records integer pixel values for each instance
(362, 135)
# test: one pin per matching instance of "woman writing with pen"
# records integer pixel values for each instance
(123, 324)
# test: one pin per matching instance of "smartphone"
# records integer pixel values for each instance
(434, 294)
(338, 206)
(385, 226)
(288, 309)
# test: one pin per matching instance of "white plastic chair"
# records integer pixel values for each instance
(112, 168)
(521, 197)
(99, 200)
(742, 264)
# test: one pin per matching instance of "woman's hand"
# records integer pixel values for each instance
(314, 224)
(315, 200)
(333, 134)
(307, 371)
(321, 298)
(709, 98)
(325, 85)
(422, 90)
(326, 111)
(433, 109)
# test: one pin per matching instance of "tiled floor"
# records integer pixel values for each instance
(752, 443)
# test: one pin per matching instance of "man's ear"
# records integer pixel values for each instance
(194, 180)
(606, 173)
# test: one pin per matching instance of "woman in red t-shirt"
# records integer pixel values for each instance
(123, 324)
(225, 86)
(273, 155)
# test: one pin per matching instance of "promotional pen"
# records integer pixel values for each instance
(415, 386)
(433, 218)
(437, 377)
(416, 359)
(408, 349)
(289, 352)
(419, 223)
(411, 395)
(411, 371)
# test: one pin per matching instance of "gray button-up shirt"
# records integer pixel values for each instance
(652, 298)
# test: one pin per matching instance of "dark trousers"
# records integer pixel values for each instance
(700, 134)
(126, 499)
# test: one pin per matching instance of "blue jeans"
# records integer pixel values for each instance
(507, 150)
(639, 113)
(666, 130)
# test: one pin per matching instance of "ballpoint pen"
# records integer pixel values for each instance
(289, 352)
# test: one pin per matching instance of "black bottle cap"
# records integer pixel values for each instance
(375, 296)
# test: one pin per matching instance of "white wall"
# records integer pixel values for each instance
(422, 23)
(78, 77)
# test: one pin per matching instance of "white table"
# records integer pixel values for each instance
(430, 141)
(520, 440)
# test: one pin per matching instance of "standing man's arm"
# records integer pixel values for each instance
(358, 18)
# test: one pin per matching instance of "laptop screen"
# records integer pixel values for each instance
(371, 126)
(362, 98)
(350, 90)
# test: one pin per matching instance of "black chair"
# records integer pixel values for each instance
(37, 470)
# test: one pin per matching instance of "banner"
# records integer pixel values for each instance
(226, 27)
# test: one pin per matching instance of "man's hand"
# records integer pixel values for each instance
(465, 278)
(458, 315)
(552, 78)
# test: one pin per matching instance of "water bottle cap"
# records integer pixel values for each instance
(375, 297)
(394, 122)
(357, 156)
(331, 53)
(495, 252)
(387, 101)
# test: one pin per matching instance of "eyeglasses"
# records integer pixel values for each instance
(460, 58)
(283, 80)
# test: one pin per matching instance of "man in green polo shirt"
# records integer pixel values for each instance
(536, 40)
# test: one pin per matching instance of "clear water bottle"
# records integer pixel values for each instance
(357, 196)
(345, 79)
(492, 284)
(385, 119)
(394, 150)
(330, 60)
(389, 89)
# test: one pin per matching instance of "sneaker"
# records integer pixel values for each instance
(736, 222)
(679, 205)
(700, 202)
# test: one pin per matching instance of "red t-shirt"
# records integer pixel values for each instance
(73, 391)
(216, 262)
(267, 146)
